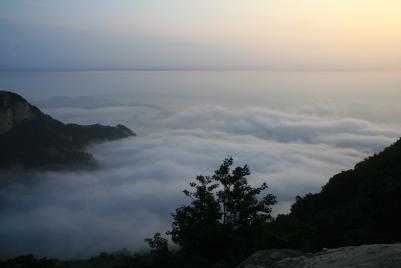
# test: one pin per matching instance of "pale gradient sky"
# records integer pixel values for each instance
(180, 34)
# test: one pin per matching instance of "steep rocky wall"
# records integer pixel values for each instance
(13, 111)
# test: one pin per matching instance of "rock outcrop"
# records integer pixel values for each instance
(14, 110)
(367, 256)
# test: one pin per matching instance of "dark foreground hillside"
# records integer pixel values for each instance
(358, 206)
(368, 256)
(32, 139)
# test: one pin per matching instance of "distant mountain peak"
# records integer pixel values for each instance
(32, 139)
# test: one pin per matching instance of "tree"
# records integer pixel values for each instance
(225, 214)
(194, 225)
(158, 244)
(240, 205)
(159, 255)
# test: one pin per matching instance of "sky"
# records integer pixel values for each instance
(207, 34)
(294, 129)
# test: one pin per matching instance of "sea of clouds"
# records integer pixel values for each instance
(140, 179)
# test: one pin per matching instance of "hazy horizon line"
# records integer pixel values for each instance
(55, 70)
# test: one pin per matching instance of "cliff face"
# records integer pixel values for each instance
(14, 110)
(32, 139)
(369, 256)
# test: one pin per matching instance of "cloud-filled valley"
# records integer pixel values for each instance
(140, 179)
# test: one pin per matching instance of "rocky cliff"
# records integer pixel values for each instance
(14, 110)
(32, 139)
(367, 256)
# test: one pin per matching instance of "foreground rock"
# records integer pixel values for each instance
(383, 256)
(31, 139)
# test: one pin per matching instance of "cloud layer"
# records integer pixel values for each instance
(70, 214)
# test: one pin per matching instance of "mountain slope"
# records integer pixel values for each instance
(358, 206)
(32, 139)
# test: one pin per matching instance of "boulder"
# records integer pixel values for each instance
(367, 256)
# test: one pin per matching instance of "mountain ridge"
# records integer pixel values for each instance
(32, 139)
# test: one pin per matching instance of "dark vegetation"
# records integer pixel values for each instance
(226, 216)
(45, 143)
(359, 206)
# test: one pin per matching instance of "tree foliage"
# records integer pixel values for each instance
(225, 215)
